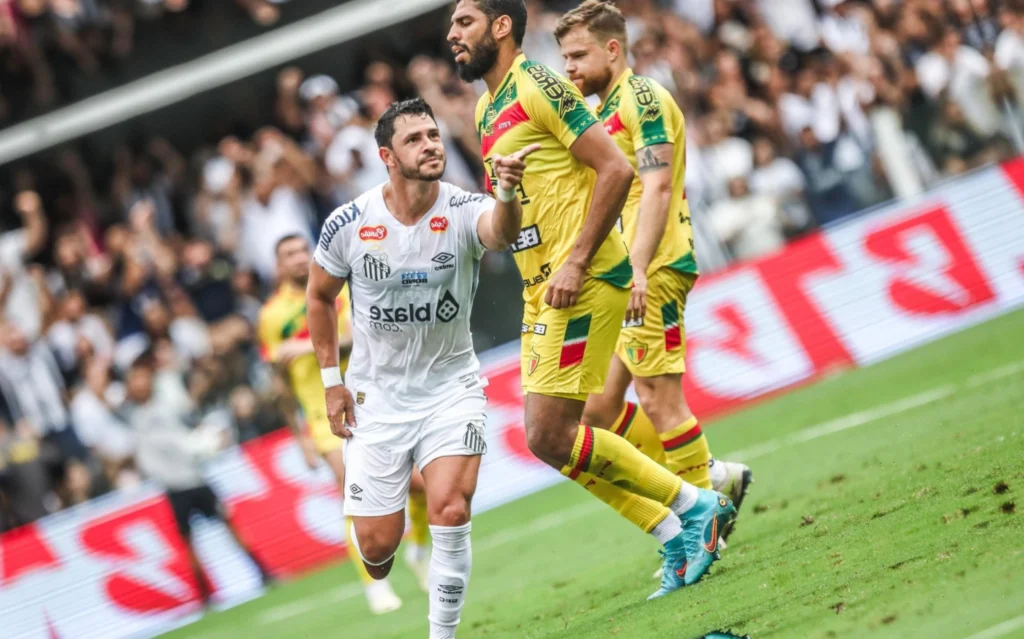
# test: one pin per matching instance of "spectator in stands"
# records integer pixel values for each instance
(153, 175)
(957, 147)
(726, 157)
(206, 277)
(828, 194)
(77, 335)
(325, 113)
(278, 204)
(964, 74)
(33, 391)
(353, 159)
(751, 225)
(24, 479)
(217, 208)
(24, 62)
(80, 266)
(109, 440)
(1009, 50)
(252, 416)
(780, 178)
(19, 294)
(288, 112)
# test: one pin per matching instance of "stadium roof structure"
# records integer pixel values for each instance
(234, 62)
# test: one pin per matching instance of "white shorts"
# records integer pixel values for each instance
(379, 457)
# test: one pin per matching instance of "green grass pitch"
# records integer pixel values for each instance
(887, 503)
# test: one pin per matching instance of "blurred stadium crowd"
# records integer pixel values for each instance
(790, 106)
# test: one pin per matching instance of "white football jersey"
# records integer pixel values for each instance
(412, 291)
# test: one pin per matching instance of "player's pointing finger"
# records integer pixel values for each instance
(522, 153)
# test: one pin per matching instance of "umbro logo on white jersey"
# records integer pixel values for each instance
(443, 261)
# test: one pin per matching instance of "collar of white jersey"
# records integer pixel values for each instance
(434, 209)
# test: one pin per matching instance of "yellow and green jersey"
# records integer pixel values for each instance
(283, 317)
(639, 113)
(533, 104)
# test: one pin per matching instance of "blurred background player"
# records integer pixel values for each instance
(576, 275)
(172, 451)
(285, 341)
(647, 125)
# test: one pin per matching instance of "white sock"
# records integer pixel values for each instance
(667, 529)
(686, 499)
(718, 474)
(450, 563)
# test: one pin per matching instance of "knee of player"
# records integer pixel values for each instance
(552, 442)
(661, 401)
(453, 511)
(377, 548)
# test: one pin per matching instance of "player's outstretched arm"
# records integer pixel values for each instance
(499, 228)
(654, 164)
(322, 316)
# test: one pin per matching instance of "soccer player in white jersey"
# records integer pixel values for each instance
(410, 251)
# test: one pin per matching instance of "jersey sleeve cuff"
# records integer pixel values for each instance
(569, 138)
(332, 271)
(654, 140)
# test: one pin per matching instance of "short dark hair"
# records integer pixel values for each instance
(514, 9)
(288, 238)
(385, 129)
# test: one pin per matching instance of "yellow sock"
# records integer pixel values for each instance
(419, 527)
(645, 513)
(353, 554)
(609, 457)
(636, 427)
(687, 453)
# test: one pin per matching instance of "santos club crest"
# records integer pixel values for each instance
(636, 350)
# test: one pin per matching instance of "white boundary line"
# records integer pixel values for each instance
(293, 609)
(840, 424)
(1000, 630)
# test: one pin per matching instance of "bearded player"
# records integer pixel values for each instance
(577, 277)
(285, 342)
(410, 252)
(648, 127)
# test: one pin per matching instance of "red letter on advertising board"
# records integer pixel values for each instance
(22, 551)
(965, 285)
(286, 547)
(786, 275)
(108, 537)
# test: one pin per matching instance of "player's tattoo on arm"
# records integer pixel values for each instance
(652, 158)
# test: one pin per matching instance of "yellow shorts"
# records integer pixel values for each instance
(657, 345)
(323, 439)
(565, 352)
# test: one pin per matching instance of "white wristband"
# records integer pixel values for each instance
(331, 376)
(506, 195)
